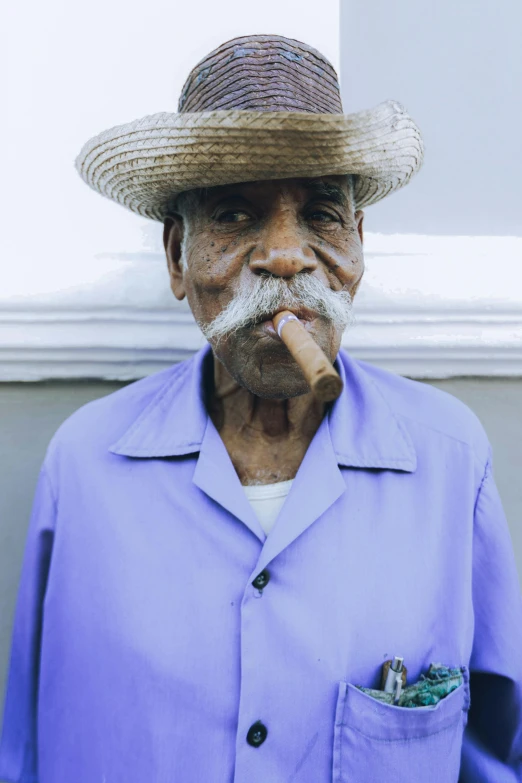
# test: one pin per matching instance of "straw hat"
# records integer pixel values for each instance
(257, 107)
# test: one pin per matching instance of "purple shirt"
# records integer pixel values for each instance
(142, 650)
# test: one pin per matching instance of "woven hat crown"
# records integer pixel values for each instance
(262, 73)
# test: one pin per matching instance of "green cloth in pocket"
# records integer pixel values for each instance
(430, 689)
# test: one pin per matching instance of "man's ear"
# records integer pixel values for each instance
(172, 241)
(359, 217)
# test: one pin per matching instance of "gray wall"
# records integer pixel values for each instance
(457, 68)
(30, 413)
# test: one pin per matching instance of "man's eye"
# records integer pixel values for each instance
(322, 217)
(233, 216)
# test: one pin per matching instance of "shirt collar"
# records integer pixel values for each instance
(365, 431)
(174, 421)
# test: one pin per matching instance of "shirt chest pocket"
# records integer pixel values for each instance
(374, 741)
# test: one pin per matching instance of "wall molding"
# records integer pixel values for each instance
(428, 307)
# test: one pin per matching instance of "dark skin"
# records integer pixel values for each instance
(259, 402)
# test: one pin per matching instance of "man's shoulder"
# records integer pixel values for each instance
(97, 424)
(429, 408)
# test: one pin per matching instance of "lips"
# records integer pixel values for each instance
(304, 315)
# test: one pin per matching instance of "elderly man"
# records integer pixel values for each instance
(226, 578)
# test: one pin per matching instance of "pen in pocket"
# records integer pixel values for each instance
(394, 677)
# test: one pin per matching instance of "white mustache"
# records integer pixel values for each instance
(269, 294)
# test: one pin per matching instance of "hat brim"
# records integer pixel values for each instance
(142, 165)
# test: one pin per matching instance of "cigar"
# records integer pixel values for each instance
(320, 375)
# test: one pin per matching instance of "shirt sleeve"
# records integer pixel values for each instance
(18, 747)
(492, 746)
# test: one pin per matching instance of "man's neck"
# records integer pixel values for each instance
(266, 439)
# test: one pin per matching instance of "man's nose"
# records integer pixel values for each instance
(282, 251)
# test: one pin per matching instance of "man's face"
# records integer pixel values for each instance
(237, 237)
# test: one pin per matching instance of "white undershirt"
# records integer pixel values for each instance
(267, 501)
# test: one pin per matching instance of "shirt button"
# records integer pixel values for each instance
(257, 734)
(261, 579)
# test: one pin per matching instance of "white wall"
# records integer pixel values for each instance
(84, 289)
(70, 70)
